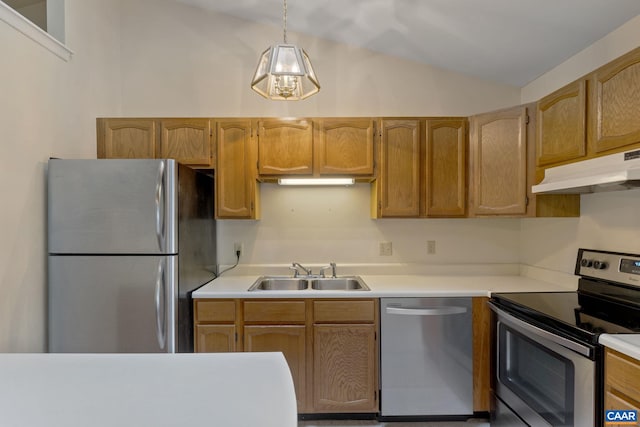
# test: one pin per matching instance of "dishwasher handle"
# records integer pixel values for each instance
(424, 311)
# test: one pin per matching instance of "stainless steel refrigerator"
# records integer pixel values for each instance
(129, 241)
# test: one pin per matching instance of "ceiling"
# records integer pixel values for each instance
(507, 41)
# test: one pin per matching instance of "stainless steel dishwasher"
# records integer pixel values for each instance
(426, 358)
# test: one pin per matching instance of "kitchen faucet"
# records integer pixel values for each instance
(296, 267)
(331, 266)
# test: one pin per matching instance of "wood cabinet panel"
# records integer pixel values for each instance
(622, 373)
(187, 140)
(616, 103)
(291, 341)
(274, 311)
(345, 146)
(236, 189)
(330, 311)
(215, 311)
(561, 116)
(482, 338)
(215, 338)
(499, 163)
(445, 167)
(126, 138)
(399, 176)
(285, 147)
(344, 368)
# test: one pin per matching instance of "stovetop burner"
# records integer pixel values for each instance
(607, 300)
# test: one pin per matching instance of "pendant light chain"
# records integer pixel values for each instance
(285, 21)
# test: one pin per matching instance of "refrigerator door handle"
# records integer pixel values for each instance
(420, 311)
(160, 208)
(161, 317)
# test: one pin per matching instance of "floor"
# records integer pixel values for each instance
(372, 423)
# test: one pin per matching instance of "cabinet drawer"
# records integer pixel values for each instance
(623, 374)
(362, 311)
(274, 311)
(215, 311)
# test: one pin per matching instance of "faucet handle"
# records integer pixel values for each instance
(322, 269)
(333, 269)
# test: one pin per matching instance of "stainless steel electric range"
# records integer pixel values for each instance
(548, 363)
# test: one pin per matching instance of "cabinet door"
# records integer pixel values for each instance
(445, 167)
(399, 186)
(126, 138)
(187, 140)
(616, 103)
(345, 146)
(290, 340)
(236, 189)
(215, 338)
(344, 368)
(561, 135)
(499, 162)
(285, 147)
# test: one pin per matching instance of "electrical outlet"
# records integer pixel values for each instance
(386, 248)
(238, 248)
(431, 247)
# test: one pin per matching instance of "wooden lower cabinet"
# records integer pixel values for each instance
(344, 368)
(621, 379)
(291, 341)
(215, 338)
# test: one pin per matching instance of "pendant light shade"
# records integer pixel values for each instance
(284, 72)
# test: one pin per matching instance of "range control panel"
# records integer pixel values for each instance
(610, 266)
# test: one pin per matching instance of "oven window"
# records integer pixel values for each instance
(541, 378)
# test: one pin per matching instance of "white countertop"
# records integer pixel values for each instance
(628, 344)
(392, 285)
(160, 390)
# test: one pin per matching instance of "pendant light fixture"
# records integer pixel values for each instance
(284, 72)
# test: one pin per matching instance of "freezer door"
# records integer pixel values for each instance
(112, 206)
(112, 304)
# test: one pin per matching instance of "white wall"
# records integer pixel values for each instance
(608, 221)
(320, 225)
(47, 108)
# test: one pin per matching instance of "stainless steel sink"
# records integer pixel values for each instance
(270, 283)
(346, 283)
(281, 283)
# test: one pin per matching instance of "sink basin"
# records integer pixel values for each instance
(347, 283)
(282, 283)
(265, 283)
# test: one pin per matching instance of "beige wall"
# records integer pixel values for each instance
(184, 61)
(48, 108)
(608, 221)
(181, 60)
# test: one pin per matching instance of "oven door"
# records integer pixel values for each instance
(547, 380)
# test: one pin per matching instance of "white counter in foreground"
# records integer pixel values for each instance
(390, 286)
(628, 344)
(159, 390)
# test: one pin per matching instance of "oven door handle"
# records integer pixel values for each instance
(539, 332)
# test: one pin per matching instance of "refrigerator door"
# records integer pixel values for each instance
(112, 206)
(112, 304)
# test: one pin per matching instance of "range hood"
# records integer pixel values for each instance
(620, 171)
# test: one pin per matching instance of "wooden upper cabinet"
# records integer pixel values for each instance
(499, 162)
(344, 146)
(187, 140)
(445, 166)
(236, 189)
(615, 121)
(126, 138)
(398, 183)
(561, 135)
(285, 147)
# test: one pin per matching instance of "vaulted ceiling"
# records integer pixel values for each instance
(507, 41)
